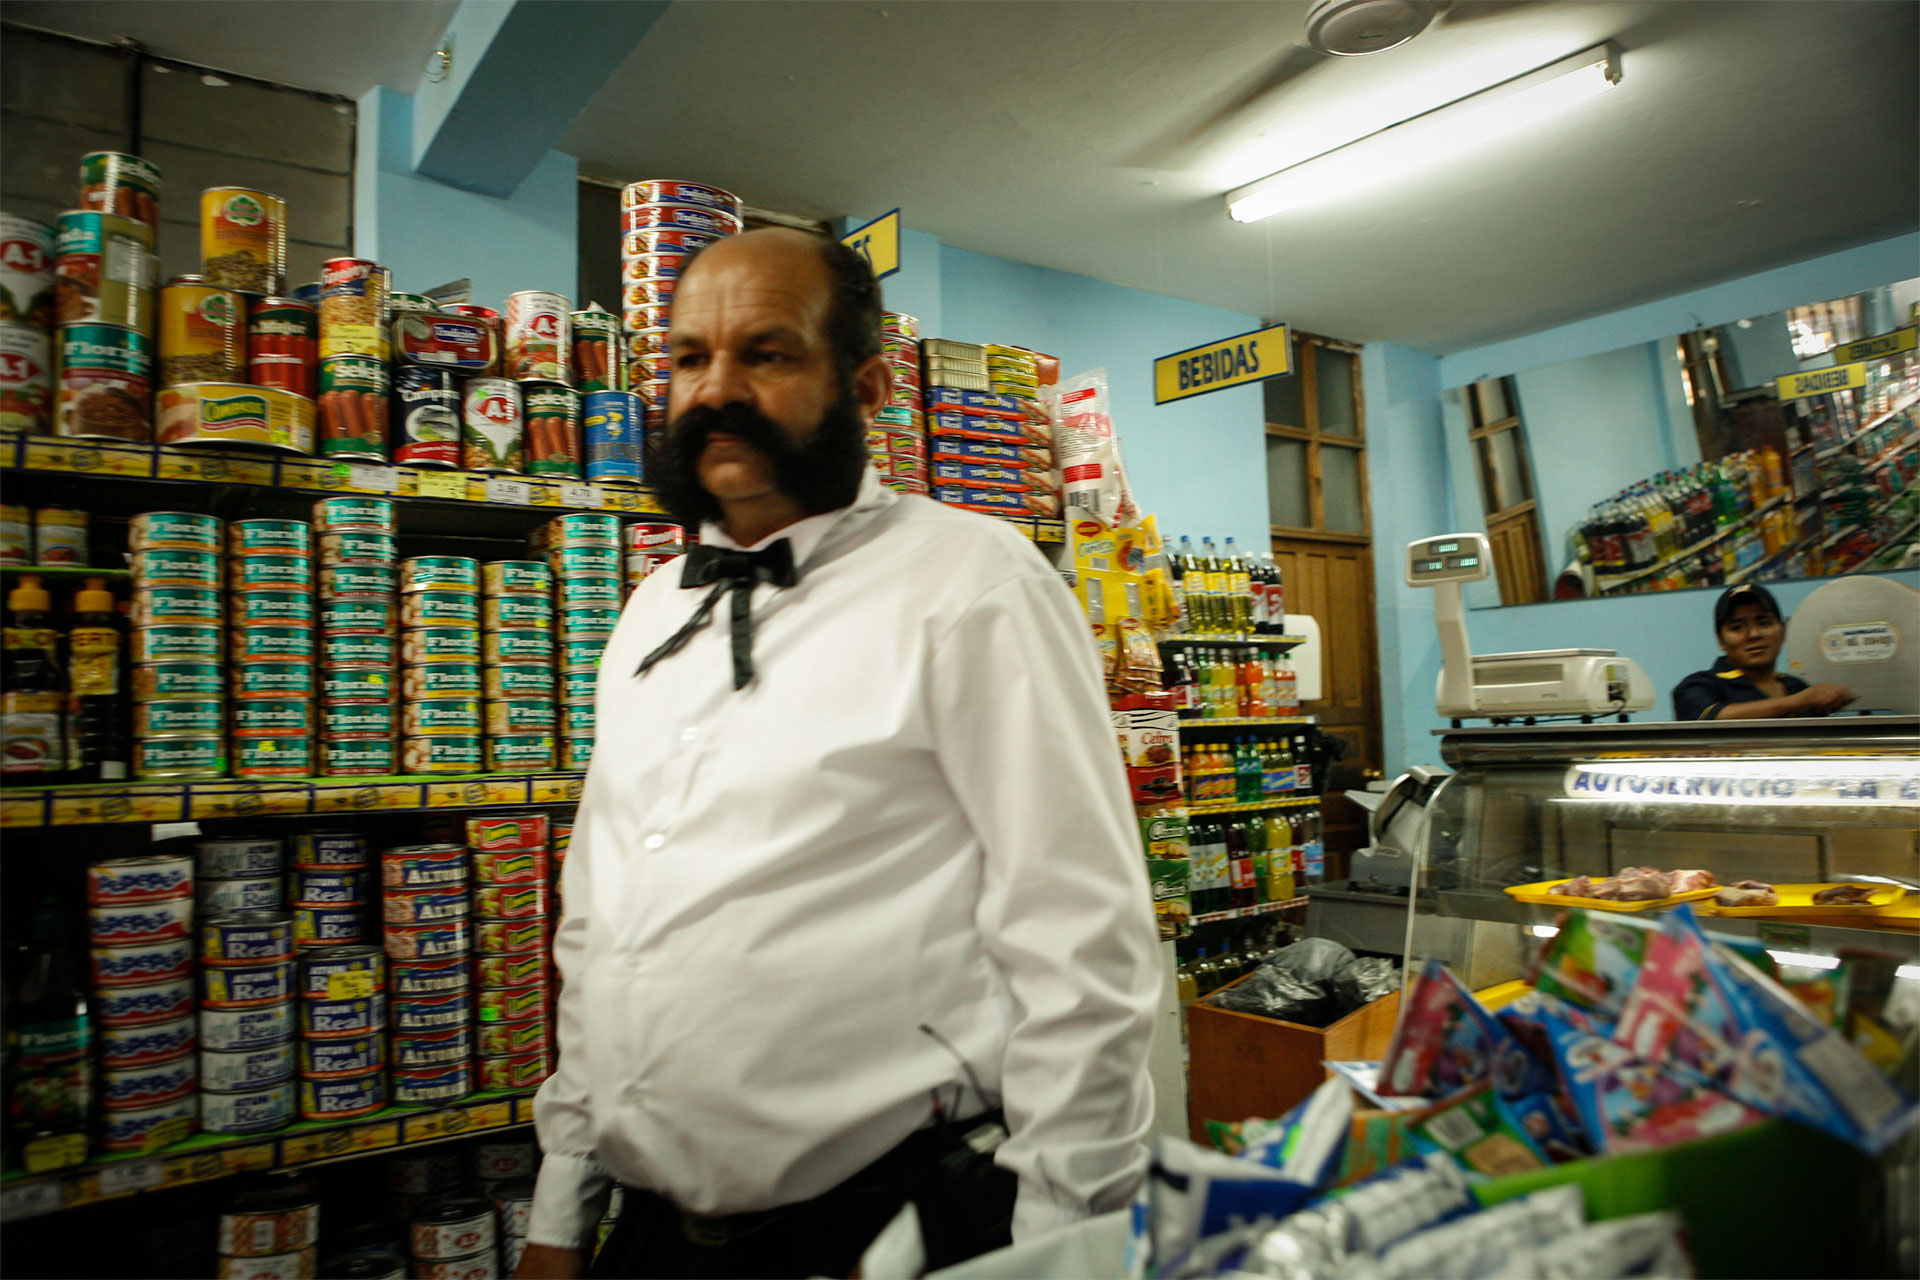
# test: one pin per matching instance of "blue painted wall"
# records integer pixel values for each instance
(1419, 456)
(430, 233)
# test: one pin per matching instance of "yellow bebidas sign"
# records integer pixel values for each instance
(1821, 382)
(1230, 362)
(879, 243)
(1887, 344)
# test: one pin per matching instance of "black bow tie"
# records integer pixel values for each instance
(726, 569)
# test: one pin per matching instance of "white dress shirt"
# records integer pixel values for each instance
(914, 815)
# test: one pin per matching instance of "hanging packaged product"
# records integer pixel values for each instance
(551, 419)
(106, 383)
(229, 413)
(203, 333)
(243, 240)
(353, 305)
(493, 436)
(353, 407)
(537, 335)
(283, 345)
(26, 379)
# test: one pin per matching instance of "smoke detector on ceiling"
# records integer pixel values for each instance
(1354, 27)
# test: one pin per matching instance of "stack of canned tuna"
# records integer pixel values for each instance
(246, 1015)
(270, 1233)
(328, 886)
(662, 223)
(440, 667)
(898, 440)
(429, 943)
(140, 922)
(517, 645)
(26, 324)
(359, 650)
(270, 565)
(179, 711)
(454, 1238)
(584, 552)
(513, 991)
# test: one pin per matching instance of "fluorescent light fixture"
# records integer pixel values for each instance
(1911, 972)
(1543, 930)
(1804, 959)
(1440, 135)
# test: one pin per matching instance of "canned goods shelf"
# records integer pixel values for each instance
(121, 802)
(65, 571)
(1254, 806)
(207, 1156)
(1243, 722)
(51, 455)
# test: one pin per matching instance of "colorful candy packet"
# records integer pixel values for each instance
(1476, 1128)
(1593, 961)
(1445, 1041)
(1628, 1104)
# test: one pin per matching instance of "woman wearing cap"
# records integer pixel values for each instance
(1741, 684)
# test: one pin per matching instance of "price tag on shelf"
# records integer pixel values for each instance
(523, 1111)
(21, 811)
(516, 492)
(556, 788)
(580, 495)
(456, 795)
(303, 1147)
(90, 807)
(249, 1159)
(443, 484)
(490, 1115)
(361, 798)
(126, 1176)
(421, 1128)
(369, 478)
(31, 1200)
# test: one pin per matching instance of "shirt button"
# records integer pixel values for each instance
(689, 733)
(655, 841)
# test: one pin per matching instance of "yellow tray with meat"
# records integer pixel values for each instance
(1542, 894)
(1797, 900)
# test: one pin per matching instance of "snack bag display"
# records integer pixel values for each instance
(1627, 1104)
(1475, 1129)
(1593, 961)
(1094, 482)
(1445, 1042)
(1677, 1011)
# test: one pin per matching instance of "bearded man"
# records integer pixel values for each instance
(856, 916)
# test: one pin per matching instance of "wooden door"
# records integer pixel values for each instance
(1514, 535)
(1333, 582)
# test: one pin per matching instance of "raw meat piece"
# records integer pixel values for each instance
(1577, 887)
(1635, 885)
(1842, 895)
(1748, 893)
(1688, 881)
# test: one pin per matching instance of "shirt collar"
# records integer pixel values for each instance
(806, 535)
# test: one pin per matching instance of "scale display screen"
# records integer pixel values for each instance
(1454, 559)
(1464, 562)
(1442, 548)
(1429, 566)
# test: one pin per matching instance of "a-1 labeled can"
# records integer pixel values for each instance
(538, 336)
(492, 426)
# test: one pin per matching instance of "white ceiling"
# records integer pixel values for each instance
(1745, 134)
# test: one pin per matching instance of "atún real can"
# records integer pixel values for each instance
(327, 926)
(242, 893)
(344, 1098)
(330, 849)
(333, 1019)
(235, 1070)
(342, 973)
(246, 986)
(256, 1108)
(335, 1059)
(240, 856)
(326, 887)
(241, 1028)
(246, 937)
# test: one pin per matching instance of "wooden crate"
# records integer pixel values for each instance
(1241, 1065)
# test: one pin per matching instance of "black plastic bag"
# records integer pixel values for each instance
(1364, 981)
(1294, 985)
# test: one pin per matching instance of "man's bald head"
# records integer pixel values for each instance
(801, 258)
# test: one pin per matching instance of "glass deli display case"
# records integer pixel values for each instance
(1785, 802)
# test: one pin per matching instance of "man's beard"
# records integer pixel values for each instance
(819, 473)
